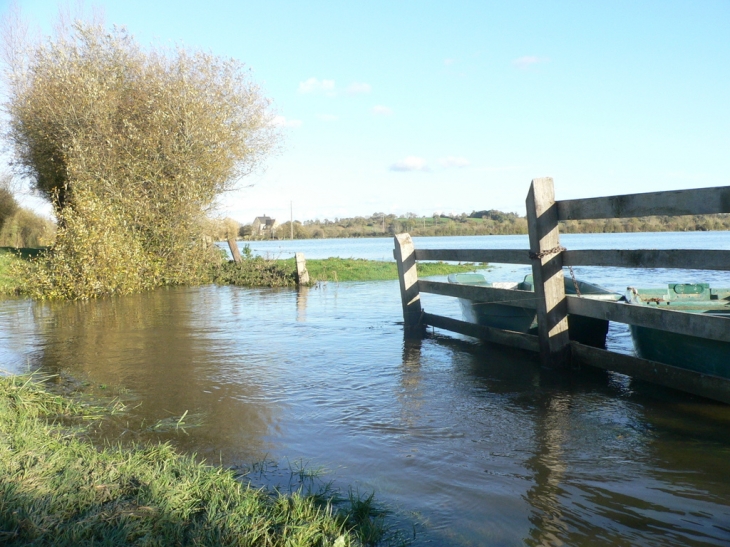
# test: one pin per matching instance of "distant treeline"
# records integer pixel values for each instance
(20, 227)
(487, 222)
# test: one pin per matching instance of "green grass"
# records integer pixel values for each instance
(57, 489)
(357, 269)
(256, 272)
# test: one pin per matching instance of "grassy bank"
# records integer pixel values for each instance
(57, 489)
(280, 273)
(351, 269)
(260, 272)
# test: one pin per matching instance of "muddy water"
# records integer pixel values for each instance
(474, 444)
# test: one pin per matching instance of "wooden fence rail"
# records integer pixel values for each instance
(699, 201)
(520, 299)
(552, 306)
(685, 259)
(501, 256)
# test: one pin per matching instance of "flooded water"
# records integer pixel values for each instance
(474, 444)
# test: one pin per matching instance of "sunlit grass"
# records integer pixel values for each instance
(358, 269)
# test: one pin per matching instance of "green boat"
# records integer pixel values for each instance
(682, 350)
(585, 330)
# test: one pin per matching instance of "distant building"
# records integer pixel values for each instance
(264, 226)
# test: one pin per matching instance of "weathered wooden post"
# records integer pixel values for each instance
(302, 273)
(547, 273)
(234, 250)
(405, 258)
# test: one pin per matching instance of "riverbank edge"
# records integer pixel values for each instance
(260, 272)
(57, 488)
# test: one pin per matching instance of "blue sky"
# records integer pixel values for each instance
(455, 106)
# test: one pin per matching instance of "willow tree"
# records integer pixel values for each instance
(132, 146)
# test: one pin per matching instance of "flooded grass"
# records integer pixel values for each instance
(56, 488)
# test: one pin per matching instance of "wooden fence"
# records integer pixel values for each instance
(547, 259)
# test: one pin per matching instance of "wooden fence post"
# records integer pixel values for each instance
(405, 258)
(302, 273)
(234, 250)
(547, 273)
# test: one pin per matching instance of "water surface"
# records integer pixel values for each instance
(475, 444)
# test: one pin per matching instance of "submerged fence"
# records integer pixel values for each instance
(552, 305)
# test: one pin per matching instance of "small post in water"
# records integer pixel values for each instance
(405, 258)
(547, 273)
(302, 273)
(234, 250)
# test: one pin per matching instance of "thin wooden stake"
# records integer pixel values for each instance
(405, 258)
(547, 273)
(234, 250)
(302, 273)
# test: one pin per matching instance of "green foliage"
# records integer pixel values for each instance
(255, 272)
(132, 147)
(8, 205)
(20, 227)
(8, 267)
(686, 223)
(24, 228)
(58, 489)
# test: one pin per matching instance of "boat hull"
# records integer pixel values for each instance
(586, 330)
(681, 350)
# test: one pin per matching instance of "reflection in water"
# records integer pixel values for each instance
(483, 445)
(171, 348)
(302, 293)
(548, 467)
(410, 394)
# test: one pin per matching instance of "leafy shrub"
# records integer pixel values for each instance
(255, 272)
(132, 147)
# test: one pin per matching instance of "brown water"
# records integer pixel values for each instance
(475, 444)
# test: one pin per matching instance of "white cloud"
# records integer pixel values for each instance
(281, 121)
(410, 163)
(528, 61)
(328, 117)
(449, 62)
(358, 88)
(454, 161)
(380, 110)
(313, 85)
